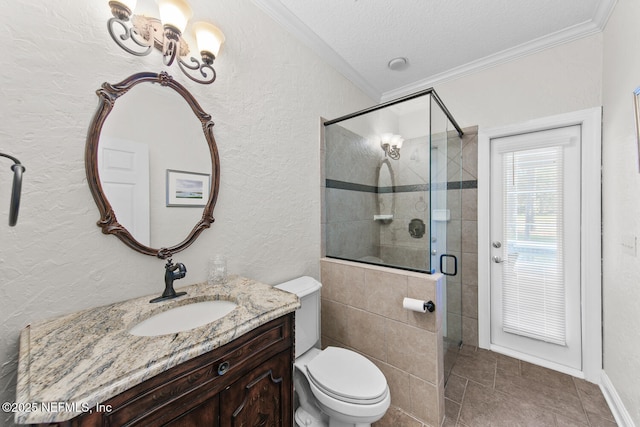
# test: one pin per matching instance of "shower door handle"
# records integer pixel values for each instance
(455, 264)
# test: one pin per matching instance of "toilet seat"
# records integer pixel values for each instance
(347, 376)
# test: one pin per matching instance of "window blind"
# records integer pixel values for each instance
(533, 275)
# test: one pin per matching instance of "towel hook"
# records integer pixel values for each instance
(18, 169)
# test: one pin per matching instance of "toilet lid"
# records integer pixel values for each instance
(348, 376)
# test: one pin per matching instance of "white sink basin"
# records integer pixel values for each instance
(183, 318)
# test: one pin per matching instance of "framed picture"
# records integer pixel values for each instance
(636, 103)
(190, 189)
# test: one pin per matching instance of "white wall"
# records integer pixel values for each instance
(267, 103)
(558, 80)
(621, 206)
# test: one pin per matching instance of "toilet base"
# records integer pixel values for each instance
(340, 424)
(305, 419)
(333, 422)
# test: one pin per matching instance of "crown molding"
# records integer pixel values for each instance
(567, 35)
(278, 12)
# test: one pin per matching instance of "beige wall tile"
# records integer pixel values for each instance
(469, 268)
(425, 403)
(340, 282)
(470, 204)
(454, 232)
(366, 333)
(334, 320)
(398, 381)
(423, 289)
(454, 297)
(454, 201)
(327, 341)
(470, 236)
(385, 292)
(413, 350)
(356, 289)
(470, 157)
(470, 331)
(470, 301)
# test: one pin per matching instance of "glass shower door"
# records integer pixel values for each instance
(446, 225)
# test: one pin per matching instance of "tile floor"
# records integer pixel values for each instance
(489, 389)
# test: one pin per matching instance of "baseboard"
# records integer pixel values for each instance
(623, 419)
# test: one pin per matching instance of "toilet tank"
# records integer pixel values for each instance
(308, 315)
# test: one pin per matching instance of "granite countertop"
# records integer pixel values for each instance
(78, 360)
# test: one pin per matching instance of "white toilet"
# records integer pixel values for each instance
(335, 387)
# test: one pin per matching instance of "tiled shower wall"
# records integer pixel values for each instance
(468, 223)
(362, 310)
(349, 198)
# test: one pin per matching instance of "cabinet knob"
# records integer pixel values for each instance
(223, 368)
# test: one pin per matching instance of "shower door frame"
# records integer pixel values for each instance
(434, 98)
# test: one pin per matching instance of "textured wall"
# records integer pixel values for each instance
(621, 206)
(266, 103)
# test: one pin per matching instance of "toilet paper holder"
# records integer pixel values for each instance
(429, 306)
(420, 306)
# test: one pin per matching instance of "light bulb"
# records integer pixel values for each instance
(209, 37)
(396, 141)
(175, 13)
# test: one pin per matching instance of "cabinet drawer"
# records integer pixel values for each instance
(207, 374)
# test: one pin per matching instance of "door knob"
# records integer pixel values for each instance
(497, 259)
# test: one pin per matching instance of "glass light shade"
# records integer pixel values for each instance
(385, 138)
(396, 141)
(175, 13)
(131, 4)
(209, 37)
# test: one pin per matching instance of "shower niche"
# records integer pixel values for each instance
(392, 181)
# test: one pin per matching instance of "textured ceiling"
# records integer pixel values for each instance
(442, 39)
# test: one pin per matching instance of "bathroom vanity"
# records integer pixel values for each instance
(87, 369)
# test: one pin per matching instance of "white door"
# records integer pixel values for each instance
(533, 256)
(535, 221)
(123, 167)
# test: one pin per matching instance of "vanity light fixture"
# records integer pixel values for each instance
(391, 145)
(139, 34)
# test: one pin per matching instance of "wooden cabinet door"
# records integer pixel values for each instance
(262, 398)
(200, 413)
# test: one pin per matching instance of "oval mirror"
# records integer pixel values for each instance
(152, 164)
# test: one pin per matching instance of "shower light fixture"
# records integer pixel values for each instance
(139, 34)
(391, 145)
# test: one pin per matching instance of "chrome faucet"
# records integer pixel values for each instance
(170, 274)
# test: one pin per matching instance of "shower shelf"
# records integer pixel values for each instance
(385, 219)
